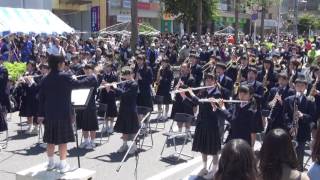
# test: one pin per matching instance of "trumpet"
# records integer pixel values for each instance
(224, 100)
(253, 62)
(113, 84)
(193, 89)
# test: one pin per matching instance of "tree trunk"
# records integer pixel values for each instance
(134, 25)
(199, 19)
(263, 16)
(236, 24)
(188, 26)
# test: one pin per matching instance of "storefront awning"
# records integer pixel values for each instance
(17, 20)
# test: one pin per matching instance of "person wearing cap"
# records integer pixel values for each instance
(76, 66)
(258, 92)
(152, 55)
(242, 116)
(225, 81)
(275, 102)
(109, 75)
(267, 71)
(196, 70)
(305, 114)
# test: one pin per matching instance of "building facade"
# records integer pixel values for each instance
(29, 4)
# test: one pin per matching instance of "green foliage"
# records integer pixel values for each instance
(15, 69)
(188, 8)
(307, 21)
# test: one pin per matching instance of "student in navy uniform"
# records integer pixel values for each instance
(29, 104)
(127, 121)
(257, 92)
(55, 107)
(4, 97)
(109, 97)
(164, 87)
(144, 77)
(242, 117)
(183, 105)
(196, 69)
(87, 119)
(271, 76)
(275, 102)
(306, 115)
(207, 138)
(224, 81)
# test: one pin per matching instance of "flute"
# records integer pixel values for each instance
(194, 89)
(121, 82)
(224, 100)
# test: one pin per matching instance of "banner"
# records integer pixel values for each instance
(95, 18)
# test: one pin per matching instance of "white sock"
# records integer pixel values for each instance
(204, 164)
(86, 140)
(51, 159)
(92, 141)
(180, 129)
(125, 143)
(63, 163)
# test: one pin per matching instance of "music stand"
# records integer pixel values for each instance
(79, 100)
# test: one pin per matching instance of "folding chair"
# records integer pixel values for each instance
(178, 118)
(103, 108)
(158, 100)
(145, 127)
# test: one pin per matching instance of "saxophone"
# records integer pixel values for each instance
(238, 81)
(265, 81)
(295, 123)
(313, 88)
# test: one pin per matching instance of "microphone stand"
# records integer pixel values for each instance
(130, 147)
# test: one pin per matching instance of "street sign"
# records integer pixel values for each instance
(254, 17)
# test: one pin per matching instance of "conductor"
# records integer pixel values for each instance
(55, 111)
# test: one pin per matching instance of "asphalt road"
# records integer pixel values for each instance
(23, 151)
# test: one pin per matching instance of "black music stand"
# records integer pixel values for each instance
(79, 100)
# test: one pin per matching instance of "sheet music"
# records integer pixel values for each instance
(79, 96)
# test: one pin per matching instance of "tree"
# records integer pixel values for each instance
(134, 25)
(186, 10)
(308, 21)
(236, 16)
(199, 19)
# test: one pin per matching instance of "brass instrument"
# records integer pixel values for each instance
(295, 123)
(238, 81)
(265, 81)
(157, 82)
(253, 62)
(208, 66)
(313, 88)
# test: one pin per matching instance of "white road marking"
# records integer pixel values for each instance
(175, 169)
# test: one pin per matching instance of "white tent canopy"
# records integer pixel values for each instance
(228, 31)
(17, 20)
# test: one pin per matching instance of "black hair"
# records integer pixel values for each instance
(54, 61)
(277, 150)
(237, 160)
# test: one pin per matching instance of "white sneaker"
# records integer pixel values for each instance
(123, 148)
(84, 144)
(91, 146)
(210, 174)
(133, 149)
(203, 172)
(52, 165)
(29, 130)
(64, 169)
(35, 130)
(43, 145)
(110, 130)
(104, 130)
